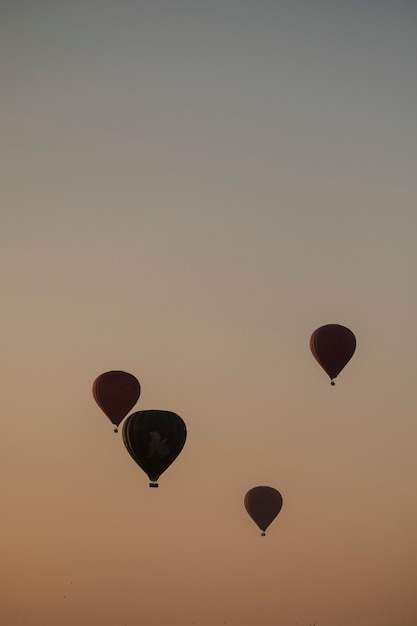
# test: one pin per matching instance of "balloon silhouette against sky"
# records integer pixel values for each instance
(116, 393)
(263, 505)
(154, 439)
(333, 346)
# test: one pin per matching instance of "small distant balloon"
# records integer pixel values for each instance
(263, 505)
(116, 393)
(333, 346)
(154, 439)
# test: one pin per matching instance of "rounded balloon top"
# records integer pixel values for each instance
(263, 505)
(116, 393)
(332, 346)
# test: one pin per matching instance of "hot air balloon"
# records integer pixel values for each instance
(263, 505)
(154, 439)
(116, 393)
(333, 346)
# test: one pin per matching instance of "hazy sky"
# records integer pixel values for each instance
(189, 189)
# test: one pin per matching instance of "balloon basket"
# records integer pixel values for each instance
(263, 534)
(154, 485)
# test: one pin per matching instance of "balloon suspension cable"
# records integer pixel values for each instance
(263, 534)
(115, 430)
(332, 383)
(153, 485)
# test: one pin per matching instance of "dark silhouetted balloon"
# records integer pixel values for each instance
(154, 439)
(333, 346)
(116, 393)
(263, 505)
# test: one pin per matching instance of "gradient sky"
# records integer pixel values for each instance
(189, 189)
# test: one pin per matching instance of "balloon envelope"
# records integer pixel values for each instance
(333, 346)
(263, 505)
(116, 393)
(154, 439)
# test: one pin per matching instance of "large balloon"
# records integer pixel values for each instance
(263, 505)
(333, 346)
(154, 439)
(116, 393)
